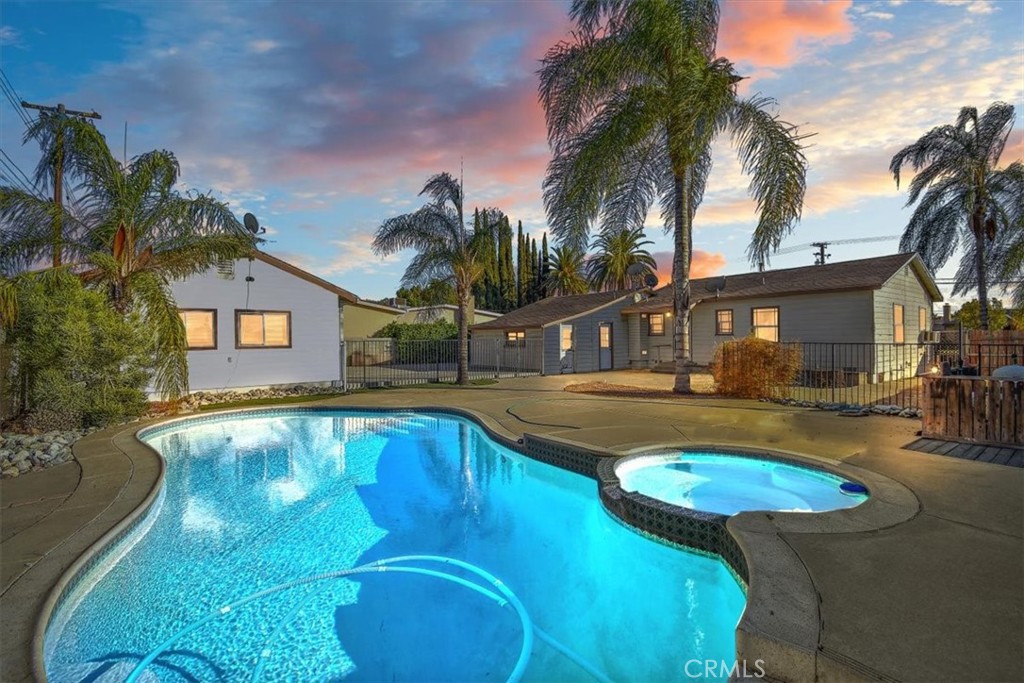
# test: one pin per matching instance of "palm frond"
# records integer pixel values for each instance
(770, 152)
(160, 314)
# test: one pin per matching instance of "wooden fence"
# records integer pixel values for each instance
(974, 409)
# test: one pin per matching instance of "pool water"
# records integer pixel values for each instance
(727, 484)
(252, 502)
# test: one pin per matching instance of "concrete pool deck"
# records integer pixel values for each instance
(939, 596)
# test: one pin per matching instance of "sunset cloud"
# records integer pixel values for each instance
(704, 264)
(776, 33)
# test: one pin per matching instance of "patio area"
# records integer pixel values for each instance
(939, 596)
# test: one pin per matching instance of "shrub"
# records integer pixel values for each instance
(421, 342)
(755, 368)
(73, 358)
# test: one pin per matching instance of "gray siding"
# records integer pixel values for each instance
(902, 288)
(586, 339)
(489, 350)
(647, 350)
(825, 317)
(315, 329)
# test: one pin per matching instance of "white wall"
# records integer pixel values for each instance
(315, 329)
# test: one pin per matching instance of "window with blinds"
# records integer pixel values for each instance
(200, 327)
(263, 329)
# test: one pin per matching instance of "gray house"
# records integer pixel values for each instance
(260, 322)
(866, 308)
(583, 333)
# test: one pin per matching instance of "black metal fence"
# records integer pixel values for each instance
(389, 362)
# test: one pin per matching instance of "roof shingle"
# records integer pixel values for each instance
(869, 273)
(550, 310)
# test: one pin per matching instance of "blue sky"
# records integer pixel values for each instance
(325, 118)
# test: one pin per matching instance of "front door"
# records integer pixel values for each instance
(604, 346)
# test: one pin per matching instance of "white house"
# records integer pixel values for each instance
(261, 322)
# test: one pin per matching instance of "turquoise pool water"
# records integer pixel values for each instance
(728, 484)
(253, 502)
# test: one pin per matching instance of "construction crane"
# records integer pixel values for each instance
(821, 256)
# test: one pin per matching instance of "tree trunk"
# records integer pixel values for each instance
(462, 376)
(978, 226)
(681, 281)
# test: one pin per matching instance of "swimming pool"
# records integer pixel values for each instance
(255, 501)
(729, 483)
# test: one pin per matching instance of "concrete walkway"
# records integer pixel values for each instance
(939, 597)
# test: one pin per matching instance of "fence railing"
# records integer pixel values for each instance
(974, 409)
(391, 362)
(855, 373)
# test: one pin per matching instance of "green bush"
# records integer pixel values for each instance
(74, 360)
(421, 342)
(755, 368)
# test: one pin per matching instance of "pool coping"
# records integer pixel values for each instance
(781, 623)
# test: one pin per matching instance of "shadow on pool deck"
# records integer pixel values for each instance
(938, 597)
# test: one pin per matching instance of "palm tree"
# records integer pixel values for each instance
(447, 251)
(567, 273)
(617, 252)
(966, 199)
(130, 233)
(633, 104)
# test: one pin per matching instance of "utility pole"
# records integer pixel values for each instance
(58, 171)
(821, 256)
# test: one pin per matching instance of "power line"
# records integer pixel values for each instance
(58, 171)
(13, 98)
(17, 176)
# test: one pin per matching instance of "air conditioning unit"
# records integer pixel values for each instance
(929, 337)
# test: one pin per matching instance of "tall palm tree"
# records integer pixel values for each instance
(618, 251)
(130, 233)
(446, 250)
(633, 104)
(568, 272)
(966, 199)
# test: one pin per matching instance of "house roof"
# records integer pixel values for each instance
(348, 296)
(377, 306)
(551, 310)
(869, 273)
(451, 307)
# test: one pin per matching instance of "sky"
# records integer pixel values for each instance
(325, 118)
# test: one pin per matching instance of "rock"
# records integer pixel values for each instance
(11, 472)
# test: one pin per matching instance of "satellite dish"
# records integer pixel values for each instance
(636, 269)
(651, 280)
(251, 224)
(715, 284)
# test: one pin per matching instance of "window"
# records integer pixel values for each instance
(897, 323)
(656, 325)
(765, 323)
(565, 333)
(723, 321)
(263, 329)
(515, 338)
(200, 328)
(922, 320)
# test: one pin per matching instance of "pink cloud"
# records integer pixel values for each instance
(776, 33)
(704, 264)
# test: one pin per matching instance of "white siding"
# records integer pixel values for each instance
(315, 329)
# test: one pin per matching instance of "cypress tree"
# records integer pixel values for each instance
(480, 286)
(535, 259)
(506, 271)
(545, 266)
(520, 268)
